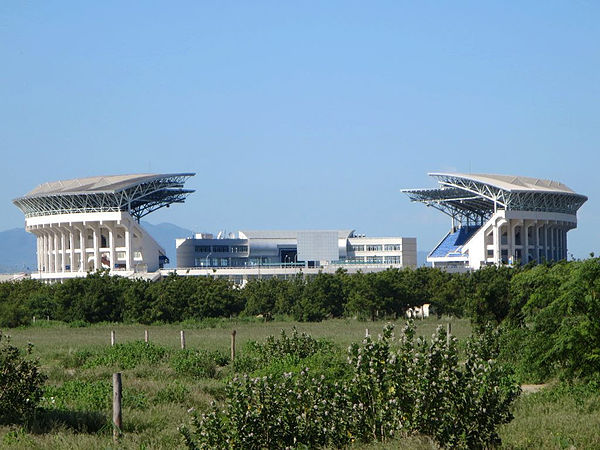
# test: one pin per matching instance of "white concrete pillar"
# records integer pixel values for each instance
(510, 240)
(496, 242)
(128, 248)
(62, 250)
(82, 247)
(56, 263)
(525, 242)
(71, 249)
(111, 245)
(96, 247)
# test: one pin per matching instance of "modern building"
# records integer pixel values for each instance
(500, 219)
(284, 252)
(87, 224)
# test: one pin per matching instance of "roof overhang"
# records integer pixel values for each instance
(137, 194)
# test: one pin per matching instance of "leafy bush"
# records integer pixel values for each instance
(197, 363)
(20, 382)
(418, 387)
(173, 393)
(291, 349)
(127, 355)
(89, 396)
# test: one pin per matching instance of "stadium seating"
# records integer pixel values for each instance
(452, 243)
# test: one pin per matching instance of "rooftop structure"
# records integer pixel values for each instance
(92, 223)
(500, 218)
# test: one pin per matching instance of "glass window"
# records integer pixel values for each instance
(392, 247)
(374, 248)
(375, 259)
(203, 248)
(220, 248)
(239, 249)
(392, 260)
(357, 248)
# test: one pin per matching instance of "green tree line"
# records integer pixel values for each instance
(548, 311)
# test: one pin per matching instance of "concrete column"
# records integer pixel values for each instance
(550, 246)
(82, 246)
(525, 241)
(72, 248)
(111, 245)
(128, 249)
(510, 240)
(496, 242)
(44, 266)
(62, 250)
(55, 263)
(96, 247)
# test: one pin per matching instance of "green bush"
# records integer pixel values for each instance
(394, 388)
(173, 393)
(127, 356)
(197, 363)
(285, 350)
(20, 382)
(89, 396)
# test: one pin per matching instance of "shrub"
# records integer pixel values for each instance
(20, 382)
(127, 356)
(291, 349)
(418, 387)
(89, 396)
(196, 363)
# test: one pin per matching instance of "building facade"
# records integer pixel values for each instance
(294, 250)
(500, 219)
(88, 224)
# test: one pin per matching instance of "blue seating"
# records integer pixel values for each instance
(452, 243)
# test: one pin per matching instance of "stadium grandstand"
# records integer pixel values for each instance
(88, 224)
(500, 219)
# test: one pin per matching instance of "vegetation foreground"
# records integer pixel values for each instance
(165, 387)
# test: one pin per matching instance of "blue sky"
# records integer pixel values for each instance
(302, 114)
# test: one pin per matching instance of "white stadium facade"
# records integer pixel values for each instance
(88, 224)
(500, 219)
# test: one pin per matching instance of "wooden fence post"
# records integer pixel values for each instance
(182, 338)
(448, 333)
(233, 333)
(34, 319)
(117, 415)
(366, 332)
(112, 338)
(146, 336)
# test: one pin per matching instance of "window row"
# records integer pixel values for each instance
(221, 249)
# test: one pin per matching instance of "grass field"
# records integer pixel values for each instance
(157, 399)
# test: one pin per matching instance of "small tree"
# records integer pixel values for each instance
(20, 382)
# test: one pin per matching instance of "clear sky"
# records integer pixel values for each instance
(302, 114)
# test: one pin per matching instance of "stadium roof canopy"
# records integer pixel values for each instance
(475, 197)
(138, 194)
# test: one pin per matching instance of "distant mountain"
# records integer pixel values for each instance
(18, 251)
(165, 234)
(18, 247)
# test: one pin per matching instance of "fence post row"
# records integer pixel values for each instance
(117, 396)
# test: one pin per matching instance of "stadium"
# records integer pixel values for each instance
(500, 219)
(88, 224)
